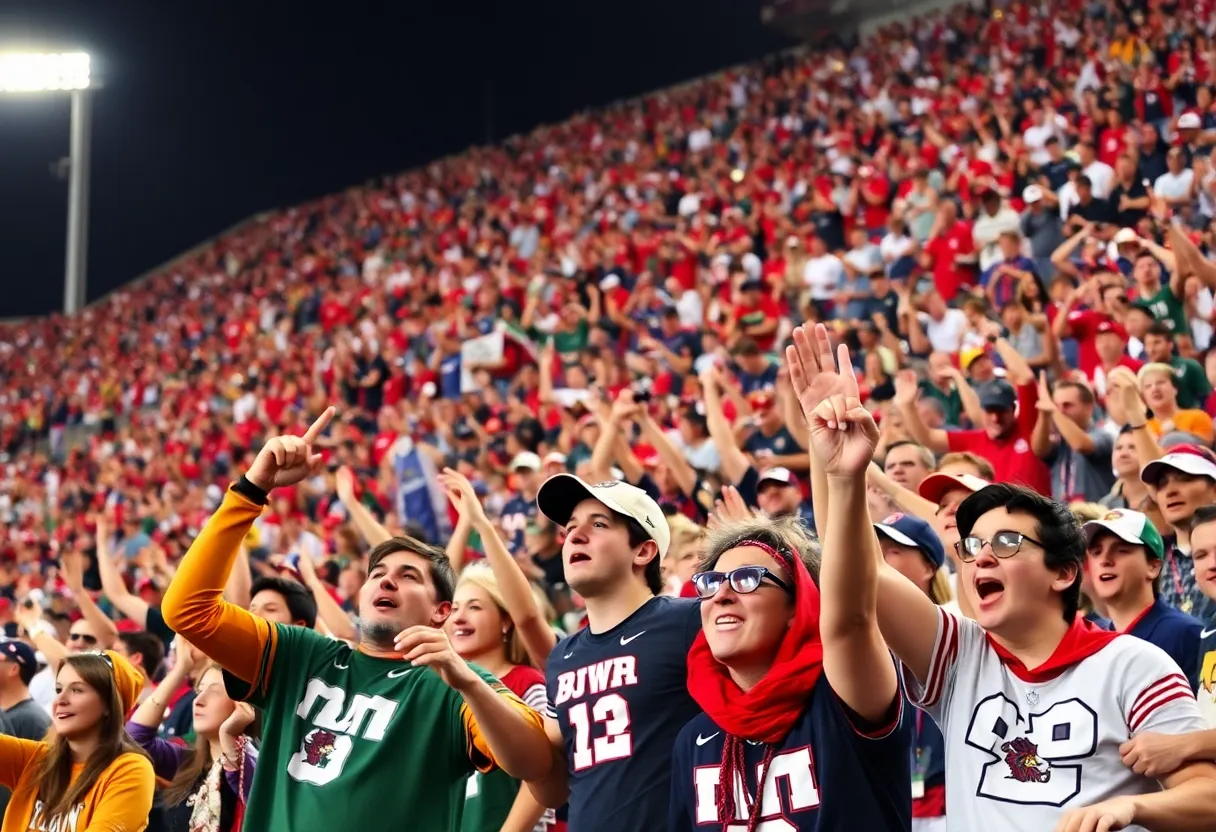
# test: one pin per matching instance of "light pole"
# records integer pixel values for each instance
(32, 72)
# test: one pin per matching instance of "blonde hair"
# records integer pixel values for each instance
(684, 533)
(1085, 512)
(481, 575)
(983, 467)
(939, 587)
(1155, 367)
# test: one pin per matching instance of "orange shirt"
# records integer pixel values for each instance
(119, 801)
(1194, 422)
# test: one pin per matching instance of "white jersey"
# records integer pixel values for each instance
(1021, 753)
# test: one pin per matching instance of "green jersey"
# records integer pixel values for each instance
(352, 741)
(1168, 307)
(1192, 383)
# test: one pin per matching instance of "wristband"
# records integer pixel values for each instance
(250, 491)
(1139, 427)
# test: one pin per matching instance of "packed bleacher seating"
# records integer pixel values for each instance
(1006, 214)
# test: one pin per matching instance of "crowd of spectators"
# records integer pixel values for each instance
(1006, 212)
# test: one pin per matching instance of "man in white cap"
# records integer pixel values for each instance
(1123, 553)
(521, 509)
(618, 685)
(1181, 482)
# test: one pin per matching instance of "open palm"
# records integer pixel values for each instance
(843, 434)
(813, 371)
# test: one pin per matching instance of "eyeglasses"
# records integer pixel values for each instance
(1005, 544)
(87, 639)
(744, 580)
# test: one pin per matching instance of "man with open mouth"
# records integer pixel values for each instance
(1124, 554)
(1036, 704)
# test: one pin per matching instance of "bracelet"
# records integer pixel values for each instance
(1141, 426)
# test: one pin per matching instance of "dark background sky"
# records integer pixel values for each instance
(214, 111)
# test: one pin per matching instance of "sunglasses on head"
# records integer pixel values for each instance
(87, 639)
(100, 654)
(1005, 544)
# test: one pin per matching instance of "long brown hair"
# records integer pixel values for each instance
(185, 781)
(53, 777)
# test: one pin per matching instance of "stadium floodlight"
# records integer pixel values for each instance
(42, 72)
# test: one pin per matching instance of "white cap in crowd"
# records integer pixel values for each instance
(561, 493)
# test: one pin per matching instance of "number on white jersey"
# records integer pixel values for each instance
(617, 743)
(796, 768)
(1029, 757)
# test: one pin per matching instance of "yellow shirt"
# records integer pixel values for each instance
(119, 801)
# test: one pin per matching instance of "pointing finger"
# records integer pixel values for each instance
(319, 426)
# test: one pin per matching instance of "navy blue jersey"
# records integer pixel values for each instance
(516, 515)
(1174, 632)
(620, 698)
(827, 774)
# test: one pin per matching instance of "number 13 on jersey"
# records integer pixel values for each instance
(610, 711)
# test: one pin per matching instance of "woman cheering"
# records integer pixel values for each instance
(88, 774)
(208, 784)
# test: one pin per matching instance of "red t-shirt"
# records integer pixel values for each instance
(765, 310)
(948, 276)
(1083, 324)
(1011, 457)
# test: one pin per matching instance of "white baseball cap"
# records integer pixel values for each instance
(1032, 194)
(561, 493)
(527, 460)
(1184, 458)
(1189, 121)
(1130, 526)
(1126, 235)
(936, 486)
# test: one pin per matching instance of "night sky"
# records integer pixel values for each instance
(214, 111)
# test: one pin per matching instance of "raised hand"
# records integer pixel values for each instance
(1045, 402)
(813, 369)
(906, 388)
(287, 460)
(730, 508)
(71, 566)
(460, 491)
(427, 646)
(240, 719)
(843, 433)
(344, 480)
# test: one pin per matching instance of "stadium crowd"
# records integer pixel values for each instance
(344, 424)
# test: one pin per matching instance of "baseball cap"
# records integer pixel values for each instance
(1189, 459)
(936, 486)
(998, 395)
(555, 458)
(1189, 121)
(967, 357)
(1032, 194)
(559, 495)
(526, 460)
(1114, 328)
(907, 530)
(1126, 235)
(782, 475)
(19, 653)
(1128, 525)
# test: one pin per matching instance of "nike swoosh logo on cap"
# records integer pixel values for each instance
(567, 655)
(1207, 633)
(702, 740)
